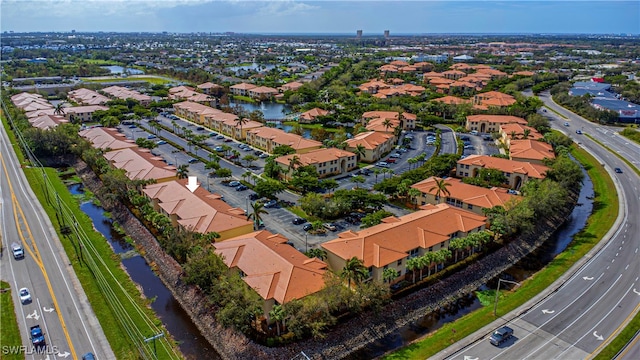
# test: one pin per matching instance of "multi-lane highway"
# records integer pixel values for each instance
(588, 306)
(58, 304)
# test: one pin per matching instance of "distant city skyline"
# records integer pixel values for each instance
(324, 17)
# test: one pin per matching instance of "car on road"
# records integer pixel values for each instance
(271, 204)
(578, 132)
(298, 221)
(566, 124)
(88, 356)
(618, 170)
(241, 187)
(307, 227)
(161, 142)
(382, 164)
(234, 183)
(501, 335)
(25, 295)
(17, 250)
(192, 161)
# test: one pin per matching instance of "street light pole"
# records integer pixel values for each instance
(495, 305)
(306, 248)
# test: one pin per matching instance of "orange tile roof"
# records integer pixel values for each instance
(433, 74)
(499, 119)
(243, 86)
(87, 97)
(469, 194)
(399, 63)
(313, 113)
(370, 140)
(209, 85)
(530, 149)
(388, 68)
(282, 137)
(181, 88)
(315, 156)
(506, 165)
(524, 73)
(140, 164)
(377, 124)
(519, 129)
(394, 238)
(102, 138)
(274, 269)
(380, 114)
(47, 121)
(452, 100)
(440, 81)
(125, 93)
(199, 211)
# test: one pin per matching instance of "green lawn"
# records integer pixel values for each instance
(101, 62)
(601, 220)
(112, 294)
(9, 333)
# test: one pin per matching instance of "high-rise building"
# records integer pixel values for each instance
(359, 34)
(386, 34)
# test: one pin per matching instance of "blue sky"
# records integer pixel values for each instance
(343, 17)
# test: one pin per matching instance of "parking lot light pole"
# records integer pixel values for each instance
(306, 249)
(495, 305)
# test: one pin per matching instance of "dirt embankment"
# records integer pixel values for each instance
(350, 336)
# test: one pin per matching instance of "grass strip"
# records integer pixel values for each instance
(117, 337)
(152, 80)
(616, 345)
(631, 165)
(9, 332)
(555, 112)
(12, 139)
(605, 212)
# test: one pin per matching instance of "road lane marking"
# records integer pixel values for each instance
(17, 207)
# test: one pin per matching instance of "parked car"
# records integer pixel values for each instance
(151, 137)
(253, 196)
(192, 161)
(501, 335)
(200, 128)
(213, 134)
(298, 221)
(366, 172)
(391, 160)
(474, 132)
(263, 156)
(132, 126)
(218, 149)
(219, 137)
(395, 155)
(88, 356)
(566, 124)
(25, 296)
(227, 140)
(382, 164)
(271, 204)
(257, 153)
(234, 183)
(242, 188)
(161, 142)
(232, 156)
(330, 226)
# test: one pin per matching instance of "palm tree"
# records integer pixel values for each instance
(376, 172)
(59, 110)
(246, 175)
(513, 135)
(257, 209)
(526, 133)
(318, 253)
(412, 265)
(389, 274)
(387, 124)
(441, 188)
(354, 270)
(183, 171)
(414, 193)
(277, 314)
(357, 180)
(412, 161)
(240, 121)
(294, 163)
(359, 151)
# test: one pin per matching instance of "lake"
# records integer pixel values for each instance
(115, 69)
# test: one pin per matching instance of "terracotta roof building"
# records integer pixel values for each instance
(293, 86)
(376, 144)
(140, 164)
(46, 122)
(517, 172)
(493, 99)
(106, 138)
(241, 89)
(275, 270)
(268, 139)
(199, 211)
(124, 93)
(532, 151)
(397, 239)
(310, 116)
(452, 100)
(491, 123)
(84, 96)
(210, 88)
(30, 102)
(82, 113)
(465, 196)
(330, 161)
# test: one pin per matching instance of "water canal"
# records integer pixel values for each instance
(168, 309)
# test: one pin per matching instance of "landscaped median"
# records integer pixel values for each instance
(9, 333)
(601, 220)
(124, 298)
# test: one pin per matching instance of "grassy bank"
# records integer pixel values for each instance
(601, 220)
(122, 298)
(9, 333)
(152, 80)
(624, 159)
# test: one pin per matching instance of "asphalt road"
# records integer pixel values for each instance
(580, 313)
(59, 304)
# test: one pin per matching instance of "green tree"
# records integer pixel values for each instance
(412, 265)
(183, 171)
(389, 274)
(317, 252)
(268, 188)
(257, 209)
(240, 121)
(359, 150)
(440, 188)
(354, 270)
(277, 314)
(224, 173)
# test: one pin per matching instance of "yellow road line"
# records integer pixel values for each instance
(614, 333)
(38, 258)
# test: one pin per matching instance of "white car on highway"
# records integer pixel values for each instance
(25, 295)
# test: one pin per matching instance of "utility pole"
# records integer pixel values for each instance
(495, 305)
(153, 338)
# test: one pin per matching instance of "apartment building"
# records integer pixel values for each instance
(194, 111)
(84, 96)
(124, 93)
(212, 89)
(516, 172)
(267, 139)
(327, 162)
(199, 211)
(484, 101)
(465, 196)
(83, 114)
(31, 102)
(310, 116)
(405, 120)
(262, 93)
(141, 164)
(46, 122)
(491, 123)
(532, 151)
(398, 239)
(376, 145)
(241, 89)
(275, 270)
(107, 138)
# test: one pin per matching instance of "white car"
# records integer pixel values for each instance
(25, 295)
(382, 164)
